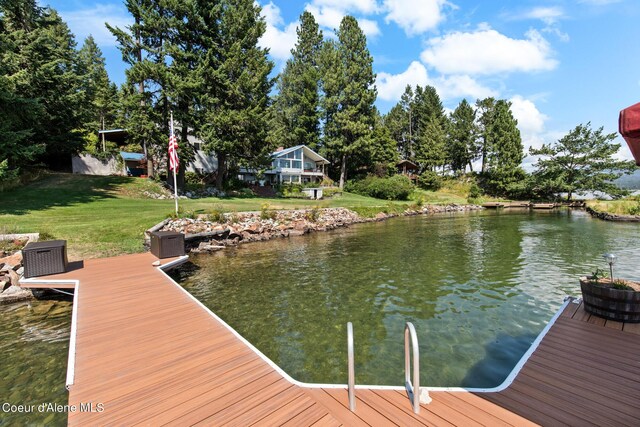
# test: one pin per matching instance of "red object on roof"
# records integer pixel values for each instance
(629, 128)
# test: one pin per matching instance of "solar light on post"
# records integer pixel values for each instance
(611, 259)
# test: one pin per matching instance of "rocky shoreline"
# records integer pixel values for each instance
(203, 235)
(12, 270)
(606, 216)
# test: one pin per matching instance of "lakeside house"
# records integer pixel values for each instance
(298, 164)
(86, 164)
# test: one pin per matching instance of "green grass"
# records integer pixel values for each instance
(104, 216)
(628, 206)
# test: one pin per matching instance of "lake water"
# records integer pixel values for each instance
(479, 287)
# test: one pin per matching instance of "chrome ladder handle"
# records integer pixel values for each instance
(413, 388)
(351, 368)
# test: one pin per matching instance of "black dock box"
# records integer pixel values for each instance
(44, 258)
(167, 244)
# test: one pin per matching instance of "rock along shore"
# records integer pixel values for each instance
(204, 236)
(606, 216)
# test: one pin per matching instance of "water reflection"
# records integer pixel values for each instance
(34, 341)
(470, 283)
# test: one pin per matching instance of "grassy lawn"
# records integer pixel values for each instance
(629, 206)
(104, 216)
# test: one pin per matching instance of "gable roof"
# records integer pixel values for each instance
(308, 152)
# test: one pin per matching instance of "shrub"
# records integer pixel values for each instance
(430, 180)
(331, 191)
(313, 215)
(292, 190)
(634, 209)
(216, 214)
(397, 187)
(266, 212)
(474, 191)
(192, 178)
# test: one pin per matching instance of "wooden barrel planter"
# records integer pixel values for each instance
(610, 303)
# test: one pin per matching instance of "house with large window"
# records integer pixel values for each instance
(299, 164)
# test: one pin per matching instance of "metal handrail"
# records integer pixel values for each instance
(413, 389)
(351, 368)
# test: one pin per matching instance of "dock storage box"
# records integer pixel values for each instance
(167, 244)
(44, 258)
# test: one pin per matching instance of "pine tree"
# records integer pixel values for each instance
(235, 84)
(145, 47)
(431, 148)
(349, 94)
(297, 105)
(406, 143)
(430, 128)
(485, 109)
(463, 137)
(38, 60)
(505, 159)
(100, 100)
(383, 151)
(582, 160)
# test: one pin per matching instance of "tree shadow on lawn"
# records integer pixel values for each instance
(58, 190)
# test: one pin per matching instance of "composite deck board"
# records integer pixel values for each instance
(153, 356)
(582, 373)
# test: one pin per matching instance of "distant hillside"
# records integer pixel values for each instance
(630, 182)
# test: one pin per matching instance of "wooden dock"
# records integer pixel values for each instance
(144, 351)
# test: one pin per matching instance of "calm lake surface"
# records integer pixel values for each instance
(479, 288)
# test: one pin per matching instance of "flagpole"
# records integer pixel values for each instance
(175, 180)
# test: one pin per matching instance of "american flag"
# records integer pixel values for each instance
(173, 150)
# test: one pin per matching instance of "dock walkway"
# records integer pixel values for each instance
(143, 351)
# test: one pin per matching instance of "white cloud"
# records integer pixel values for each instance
(91, 21)
(362, 6)
(487, 51)
(415, 16)
(330, 18)
(530, 119)
(461, 86)
(279, 41)
(548, 15)
(391, 86)
(369, 27)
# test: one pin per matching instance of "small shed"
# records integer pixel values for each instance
(134, 163)
(408, 168)
(629, 127)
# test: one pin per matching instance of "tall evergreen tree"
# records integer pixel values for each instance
(145, 47)
(406, 143)
(234, 80)
(430, 128)
(100, 101)
(349, 94)
(507, 152)
(383, 150)
(431, 149)
(38, 60)
(462, 137)
(485, 110)
(297, 105)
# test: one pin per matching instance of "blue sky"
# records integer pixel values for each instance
(560, 62)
